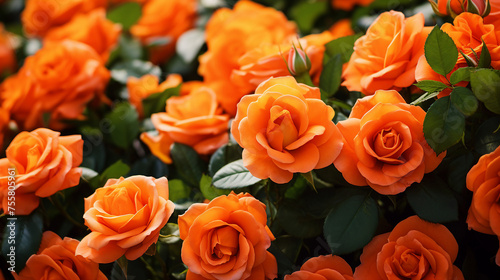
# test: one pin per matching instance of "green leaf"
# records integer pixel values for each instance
(123, 125)
(115, 171)
(187, 163)
(297, 189)
(126, 14)
(444, 125)
(297, 222)
(458, 170)
(22, 236)
(351, 223)
(149, 166)
(485, 84)
(88, 174)
(129, 48)
(431, 86)
(208, 190)
(190, 43)
(305, 14)
(343, 46)
(177, 190)
(121, 71)
(169, 234)
(464, 100)
(227, 153)
(433, 200)
(485, 58)
(156, 102)
(330, 78)
(440, 51)
(234, 175)
(424, 97)
(461, 74)
(487, 137)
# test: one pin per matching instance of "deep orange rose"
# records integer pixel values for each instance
(415, 249)
(57, 82)
(164, 19)
(41, 15)
(384, 144)
(140, 88)
(323, 268)
(347, 5)
(7, 55)
(92, 29)
(285, 128)
(227, 239)
(56, 260)
(484, 181)
(4, 123)
(125, 217)
(230, 34)
(44, 164)
(386, 57)
(195, 120)
(466, 31)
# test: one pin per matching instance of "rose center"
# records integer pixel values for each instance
(224, 243)
(281, 130)
(387, 142)
(410, 265)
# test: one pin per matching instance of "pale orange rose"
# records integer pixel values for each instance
(125, 217)
(484, 181)
(44, 163)
(466, 31)
(92, 29)
(57, 82)
(230, 34)
(7, 55)
(56, 259)
(39, 16)
(323, 268)
(348, 5)
(284, 129)
(415, 249)
(384, 144)
(140, 88)
(164, 19)
(227, 239)
(195, 120)
(386, 57)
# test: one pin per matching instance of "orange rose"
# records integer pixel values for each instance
(7, 55)
(92, 29)
(384, 144)
(44, 163)
(386, 57)
(56, 260)
(323, 268)
(164, 19)
(347, 5)
(227, 239)
(484, 181)
(466, 31)
(230, 34)
(460, 6)
(285, 128)
(494, 16)
(415, 249)
(4, 123)
(195, 120)
(41, 15)
(125, 217)
(140, 88)
(57, 82)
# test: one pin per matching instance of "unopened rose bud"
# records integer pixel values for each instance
(456, 7)
(298, 61)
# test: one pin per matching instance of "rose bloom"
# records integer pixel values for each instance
(39, 16)
(227, 239)
(164, 19)
(92, 29)
(386, 57)
(323, 268)
(125, 217)
(58, 81)
(384, 144)
(415, 249)
(195, 120)
(460, 6)
(348, 5)
(4, 124)
(44, 163)
(140, 88)
(230, 34)
(285, 128)
(7, 54)
(483, 180)
(466, 31)
(56, 259)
